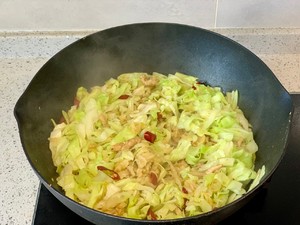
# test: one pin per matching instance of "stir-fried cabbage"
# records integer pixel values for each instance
(154, 147)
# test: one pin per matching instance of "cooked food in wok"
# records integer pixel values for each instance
(154, 147)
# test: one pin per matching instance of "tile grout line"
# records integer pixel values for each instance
(216, 13)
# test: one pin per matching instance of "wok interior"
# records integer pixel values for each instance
(164, 48)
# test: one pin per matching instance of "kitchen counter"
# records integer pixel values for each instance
(23, 53)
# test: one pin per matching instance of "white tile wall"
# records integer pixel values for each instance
(101, 14)
(258, 13)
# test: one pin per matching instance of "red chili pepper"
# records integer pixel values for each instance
(202, 82)
(184, 190)
(195, 87)
(153, 178)
(159, 116)
(114, 175)
(62, 120)
(76, 102)
(124, 97)
(149, 136)
(151, 214)
(184, 199)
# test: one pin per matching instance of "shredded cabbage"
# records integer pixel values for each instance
(154, 147)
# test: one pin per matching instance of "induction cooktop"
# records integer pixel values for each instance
(278, 201)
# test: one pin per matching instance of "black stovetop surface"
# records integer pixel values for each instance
(277, 203)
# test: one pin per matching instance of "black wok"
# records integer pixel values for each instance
(149, 47)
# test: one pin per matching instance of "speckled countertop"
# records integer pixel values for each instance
(23, 53)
